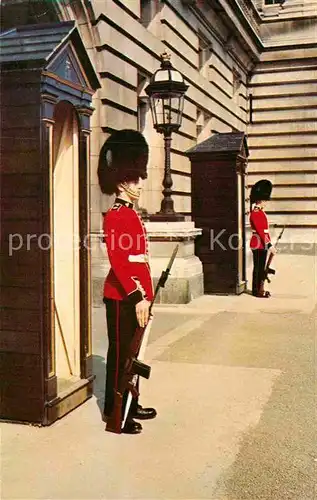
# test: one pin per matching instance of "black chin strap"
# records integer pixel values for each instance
(124, 202)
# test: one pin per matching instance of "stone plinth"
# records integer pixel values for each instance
(185, 281)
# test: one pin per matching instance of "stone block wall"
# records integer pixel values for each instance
(283, 130)
(225, 54)
(129, 38)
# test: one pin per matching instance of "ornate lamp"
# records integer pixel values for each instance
(166, 91)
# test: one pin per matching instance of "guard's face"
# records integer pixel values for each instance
(261, 203)
(133, 189)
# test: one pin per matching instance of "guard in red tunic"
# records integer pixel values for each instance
(260, 241)
(128, 289)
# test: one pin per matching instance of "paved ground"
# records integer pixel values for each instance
(234, 382)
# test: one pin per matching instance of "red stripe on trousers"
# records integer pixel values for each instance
(117, 343)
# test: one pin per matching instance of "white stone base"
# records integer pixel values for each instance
(185, 281)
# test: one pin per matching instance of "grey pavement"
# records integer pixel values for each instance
(234, 382)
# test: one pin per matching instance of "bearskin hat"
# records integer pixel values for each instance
(261, 190)
(123, 158)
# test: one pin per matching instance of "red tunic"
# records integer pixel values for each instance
(260, 228)
(126, 241)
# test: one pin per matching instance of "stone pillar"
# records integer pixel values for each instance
(186, 280)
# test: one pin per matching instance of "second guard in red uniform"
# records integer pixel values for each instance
(260, 242)
(128, 289)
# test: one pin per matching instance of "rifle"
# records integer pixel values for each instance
(268, 270)
(134, 367)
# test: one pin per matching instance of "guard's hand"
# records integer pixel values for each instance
(142, 312)
(273, 250)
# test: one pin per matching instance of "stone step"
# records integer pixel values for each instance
(283, 178)
(283, 166)
(295, 191)
(293, 205)
(281, 140)
(301, 63)
(283, 127)
(283, 153)
(296, 239)
(296, 218)
(309, 37)
(300, 234)
(284, 114)
(285, 76)
(282, 55)
(278, 102)
(285, 88)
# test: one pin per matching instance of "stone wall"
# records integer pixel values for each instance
(215, 61)
(129, 38)
(226, 50)
(224, 60)
(283, 132)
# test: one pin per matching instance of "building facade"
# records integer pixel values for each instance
(250, 66)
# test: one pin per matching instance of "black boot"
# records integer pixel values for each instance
(132, 427)
(144, 413)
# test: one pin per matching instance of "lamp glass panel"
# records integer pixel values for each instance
(176, 105)
(162, 76)
(176, 76)
(153, 104)
(167, 110)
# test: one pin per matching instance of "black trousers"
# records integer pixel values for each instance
(259, 260)
(121, 325)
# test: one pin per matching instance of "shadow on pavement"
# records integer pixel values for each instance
(99, 369)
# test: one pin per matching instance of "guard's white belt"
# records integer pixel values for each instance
(138, 258)
(264, 231)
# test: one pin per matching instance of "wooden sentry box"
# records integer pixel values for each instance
(45, 339)
(218, 168)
